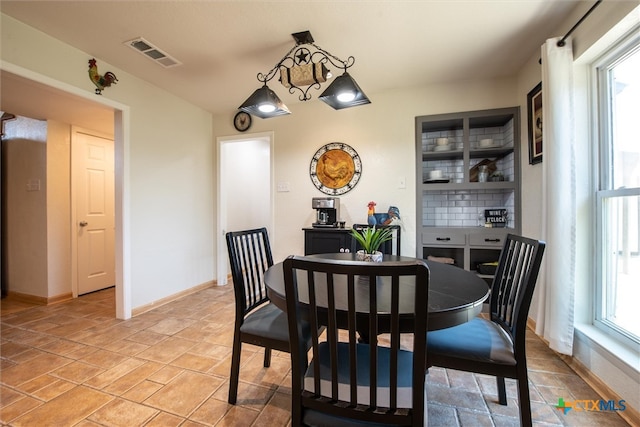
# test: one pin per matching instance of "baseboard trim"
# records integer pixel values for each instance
(147, 307)
(34, 299)
(630, 415)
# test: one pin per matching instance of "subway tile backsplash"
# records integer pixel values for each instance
(464, 208)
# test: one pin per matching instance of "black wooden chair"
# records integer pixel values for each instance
(348, 383)
(257, 322)
(496, 346)
(390, 247)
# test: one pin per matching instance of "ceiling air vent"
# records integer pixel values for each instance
(150, 51)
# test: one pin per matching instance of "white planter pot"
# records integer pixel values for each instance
(374, 257)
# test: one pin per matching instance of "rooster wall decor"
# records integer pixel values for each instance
(101, 82)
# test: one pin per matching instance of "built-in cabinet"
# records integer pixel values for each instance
(460, 214)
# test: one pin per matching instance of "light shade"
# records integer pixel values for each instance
(264, 103)
(344, 92)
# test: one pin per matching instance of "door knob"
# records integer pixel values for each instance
(83, 223)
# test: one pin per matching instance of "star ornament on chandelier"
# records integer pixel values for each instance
(303, 56)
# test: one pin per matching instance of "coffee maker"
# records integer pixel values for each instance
(327, 211)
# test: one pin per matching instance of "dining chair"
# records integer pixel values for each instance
(390, 247)
(257, 321)
(496, 346)
(349, 383)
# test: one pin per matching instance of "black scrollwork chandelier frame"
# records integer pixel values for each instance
(300, 55)
(303, 68)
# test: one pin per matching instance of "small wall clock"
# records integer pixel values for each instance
(242, 121)
(335, 168)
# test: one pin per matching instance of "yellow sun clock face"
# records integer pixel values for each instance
(335, 168)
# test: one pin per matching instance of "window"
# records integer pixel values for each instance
(618, 190)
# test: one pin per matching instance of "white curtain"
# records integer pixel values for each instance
(554, 319)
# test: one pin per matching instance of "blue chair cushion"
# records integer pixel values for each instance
(405, 370)
(267, 321)
(480, 339)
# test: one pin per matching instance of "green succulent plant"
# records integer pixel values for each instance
(371, 238)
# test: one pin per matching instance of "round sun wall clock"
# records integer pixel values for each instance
(335, 168)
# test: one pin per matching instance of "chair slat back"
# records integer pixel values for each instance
(340, 295)
(249, 256)
(514, 282)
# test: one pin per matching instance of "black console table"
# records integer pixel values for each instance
(330, 240)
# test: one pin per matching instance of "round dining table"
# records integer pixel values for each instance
(456, 295)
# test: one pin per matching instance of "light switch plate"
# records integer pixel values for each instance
(402, 182)
(283, 187)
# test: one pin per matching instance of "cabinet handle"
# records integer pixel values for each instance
(492, 240)
(443, 239)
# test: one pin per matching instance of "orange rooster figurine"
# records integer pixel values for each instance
(100, 81)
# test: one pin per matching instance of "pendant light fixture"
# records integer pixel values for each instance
(305, 67)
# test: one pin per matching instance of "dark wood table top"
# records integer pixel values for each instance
(455, 295)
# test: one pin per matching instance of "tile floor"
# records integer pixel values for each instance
(74, 364)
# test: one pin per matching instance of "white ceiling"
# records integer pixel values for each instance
(224, 44)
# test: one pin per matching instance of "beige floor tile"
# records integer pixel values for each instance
(238, 416)
(123, 413)
(195, 362)
(37, 383)
(75, 326)
(253, 370)
(167, 350)
(63, 347)
(104, 359)
(212, 411)
(104, 337)
(147, 337)
(33, 368)
(109, 376)
(166, 374)
(169, 326)
(249, 395)
(8, 396)
(126, 347)
(132, 378)
(87, 423)
(78, 372)
(190, 423)
(277, 412)
(142, 391)
(54, 390)
(164, 419)
(65, 410)
(25, 356)
(11, 412)
(184, 393)
(9, 349)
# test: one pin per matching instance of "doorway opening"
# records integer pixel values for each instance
(245, 196)
(30, 94)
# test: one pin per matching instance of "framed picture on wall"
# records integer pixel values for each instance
(534, 110)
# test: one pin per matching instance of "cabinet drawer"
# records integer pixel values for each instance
(493, 240)
(443, 238)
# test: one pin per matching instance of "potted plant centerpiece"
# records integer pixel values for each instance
(370, 238)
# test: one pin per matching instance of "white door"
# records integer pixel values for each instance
(244, 190)
(93, 179)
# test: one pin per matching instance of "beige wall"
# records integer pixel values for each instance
(25, 159)
(58, 209)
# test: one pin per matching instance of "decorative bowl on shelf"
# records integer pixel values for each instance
(442, 147)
